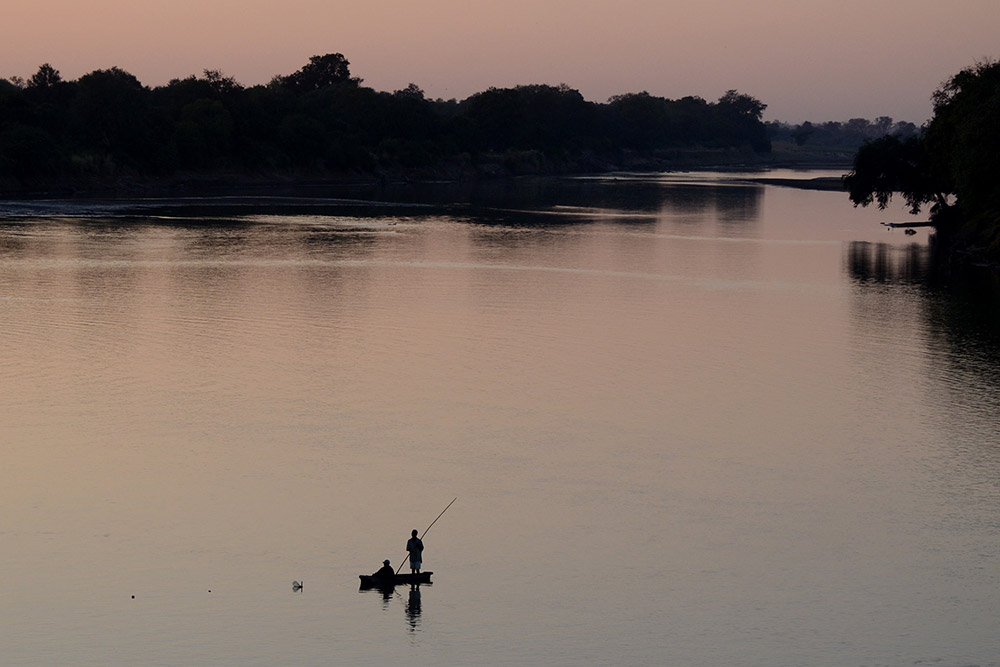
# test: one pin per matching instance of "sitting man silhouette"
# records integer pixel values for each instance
(386, 572)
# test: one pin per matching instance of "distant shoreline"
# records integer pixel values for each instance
(825, 183)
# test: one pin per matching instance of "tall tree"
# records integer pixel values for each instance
(963, 140)
(743, 105)
(46, 77)
(111, 110)
(741, 116)
(332, 69)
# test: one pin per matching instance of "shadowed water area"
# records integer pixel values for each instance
(690, 420)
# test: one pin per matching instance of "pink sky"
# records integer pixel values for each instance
(807, 59)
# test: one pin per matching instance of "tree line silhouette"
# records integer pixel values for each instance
(319, 120)
(849, 135)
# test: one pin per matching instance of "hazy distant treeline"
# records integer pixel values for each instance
(320, 119)
(849, 135)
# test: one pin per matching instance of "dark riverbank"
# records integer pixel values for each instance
(107, 131)
(463, 169)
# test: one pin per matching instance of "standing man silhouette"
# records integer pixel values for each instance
(416, 549)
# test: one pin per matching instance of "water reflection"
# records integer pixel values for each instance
(962, 318)
(502, 201)
(949, 317)
(412, 603)
(885, 263)
(961, 299)
(386, 591)
(625, 200)
(413, 607)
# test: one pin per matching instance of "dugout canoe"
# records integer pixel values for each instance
(368, 581)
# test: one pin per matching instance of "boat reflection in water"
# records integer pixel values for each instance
(388, 591)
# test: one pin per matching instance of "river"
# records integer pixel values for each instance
(690, 419)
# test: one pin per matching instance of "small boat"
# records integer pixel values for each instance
(369, 581)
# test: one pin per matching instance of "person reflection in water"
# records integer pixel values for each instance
(386, 571)
(413, 607)
(416, 549)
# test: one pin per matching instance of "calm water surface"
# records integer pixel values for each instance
(689, 421)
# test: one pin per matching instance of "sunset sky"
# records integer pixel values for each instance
(806, 59)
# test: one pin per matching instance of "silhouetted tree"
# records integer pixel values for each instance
(222, 84)
(332, 69)
(112, 114)
(639, 120)
(881, 127)
(45, 77)
(741, 117)
(963, 141)
(542, 117)
(889, 165)
(958, 155)
(802, 133)
(741, 105)
(692, 121)
(411, 92)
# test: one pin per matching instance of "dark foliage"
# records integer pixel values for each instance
(846, 136)
(963, 143)
(320, 120)
(333, 69)
(891, 164)
(952, 166)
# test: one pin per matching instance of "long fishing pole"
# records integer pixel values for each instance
(428, 530)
